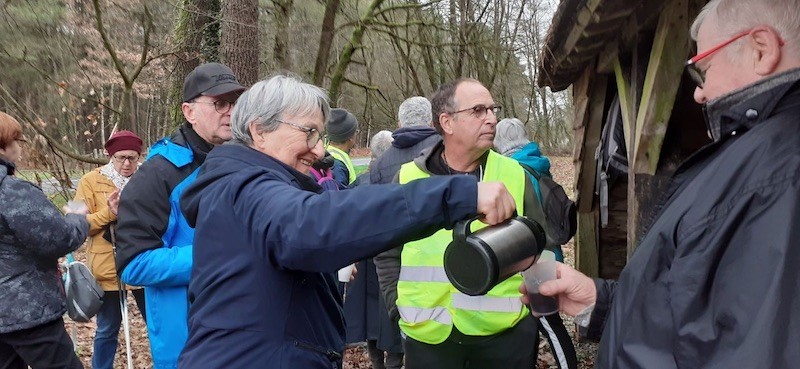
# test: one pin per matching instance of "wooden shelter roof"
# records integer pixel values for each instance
(583, 29)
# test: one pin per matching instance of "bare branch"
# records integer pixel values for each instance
(50, 140)
(98, 16)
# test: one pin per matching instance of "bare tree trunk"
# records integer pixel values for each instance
(325, 41)
(283, 12)
(239, 40)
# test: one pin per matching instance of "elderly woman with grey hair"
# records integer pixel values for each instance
(268, 240)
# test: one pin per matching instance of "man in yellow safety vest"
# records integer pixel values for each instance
(445, 328)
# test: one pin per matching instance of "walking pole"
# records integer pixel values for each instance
(123, 297)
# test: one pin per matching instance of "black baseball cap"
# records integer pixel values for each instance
(210, 79)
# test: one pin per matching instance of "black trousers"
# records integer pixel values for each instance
(47, 346)
(381, 359)
(514, 348)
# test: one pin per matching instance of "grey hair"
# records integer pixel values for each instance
(737, 15)
(380, 142)
(510, 136)
(415, 112)
(268, 101)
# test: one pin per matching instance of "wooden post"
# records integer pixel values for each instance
(669, 51)
(589, 95)
(667, 56)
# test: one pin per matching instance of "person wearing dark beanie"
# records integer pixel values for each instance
(99, 190)
(341, 129)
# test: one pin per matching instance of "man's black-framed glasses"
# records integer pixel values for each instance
(221, 106)
(479, 111)
(121, 159)
(314, 136)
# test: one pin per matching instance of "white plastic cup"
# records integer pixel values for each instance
(543, 270)
(345, 273)
(76, 206)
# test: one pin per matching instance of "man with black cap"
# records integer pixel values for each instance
(153, 240)
(341, 131)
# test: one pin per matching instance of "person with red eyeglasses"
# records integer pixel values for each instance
(713, 284)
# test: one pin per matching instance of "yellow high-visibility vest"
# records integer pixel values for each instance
(342, 156)
(428, 303)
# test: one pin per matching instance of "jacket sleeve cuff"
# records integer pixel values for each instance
(602, 307)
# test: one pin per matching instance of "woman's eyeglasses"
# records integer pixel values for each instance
(480, 111)
(121, 159)
(314, 136)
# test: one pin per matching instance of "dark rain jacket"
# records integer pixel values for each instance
(267, 245)
(714, 283)
(407, 144)
(33, 235)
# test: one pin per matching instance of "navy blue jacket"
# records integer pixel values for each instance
(267, 244)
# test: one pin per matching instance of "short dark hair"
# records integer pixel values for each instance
(10, 130)
(443, 99)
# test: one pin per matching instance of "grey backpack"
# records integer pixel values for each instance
(84, 295)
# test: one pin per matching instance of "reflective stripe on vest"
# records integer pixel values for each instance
(487, 303)
(425, 293)
(342, 156)
(423, 274)
(418, 315)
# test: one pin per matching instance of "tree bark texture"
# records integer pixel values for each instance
(325, 41)
(196, 20)
(283, 12)
(239, 40)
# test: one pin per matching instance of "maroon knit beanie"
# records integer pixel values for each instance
(123, 140)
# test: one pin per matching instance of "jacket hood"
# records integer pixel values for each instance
(235, 159)
(531, 156)
(410, 136)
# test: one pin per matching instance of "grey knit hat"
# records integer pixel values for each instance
(510, 135)
(341, 126)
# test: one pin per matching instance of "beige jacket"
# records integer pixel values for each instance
(94, 189)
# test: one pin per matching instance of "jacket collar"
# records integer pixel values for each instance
(252, 156)
(748, 106)
(190, 138)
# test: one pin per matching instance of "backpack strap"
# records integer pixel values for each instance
(532, 204)
(556, 209)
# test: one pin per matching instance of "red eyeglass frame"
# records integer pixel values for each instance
(691, 65)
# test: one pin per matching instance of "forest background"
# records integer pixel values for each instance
(74, 70)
